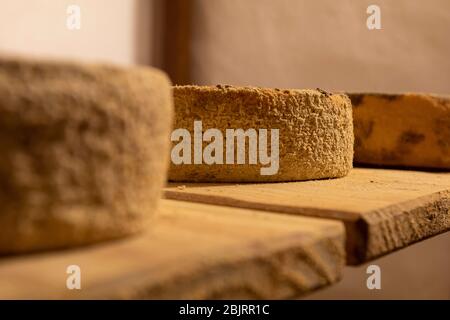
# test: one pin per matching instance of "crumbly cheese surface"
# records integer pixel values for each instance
(83, 152)
(315, 130)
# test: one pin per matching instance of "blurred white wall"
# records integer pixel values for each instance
(111, 30)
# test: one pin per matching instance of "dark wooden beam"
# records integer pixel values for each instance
(177, 32)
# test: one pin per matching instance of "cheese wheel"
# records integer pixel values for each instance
(407, 130)
(315, 134)
(84, 152)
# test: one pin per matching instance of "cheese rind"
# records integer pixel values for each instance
(315, 131)
(407, 130)
(84, 152)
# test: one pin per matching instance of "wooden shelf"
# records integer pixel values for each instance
(383, 210)
(192, 251)
(233, 248)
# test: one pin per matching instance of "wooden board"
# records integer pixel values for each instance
(194, 251)
(383, 210)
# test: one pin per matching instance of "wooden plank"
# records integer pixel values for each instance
(193, 251)
(383, 210)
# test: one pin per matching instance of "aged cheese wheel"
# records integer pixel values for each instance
(315, 134)
(411, 129)
(83, 152)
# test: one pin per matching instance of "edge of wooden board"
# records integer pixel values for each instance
(191, 252)
(408, 222)
(370, 234)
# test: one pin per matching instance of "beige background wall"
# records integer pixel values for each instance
(416, 272)
(322, 43)
(111, 30)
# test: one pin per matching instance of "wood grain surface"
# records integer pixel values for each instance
(383, 210)
(193, 251)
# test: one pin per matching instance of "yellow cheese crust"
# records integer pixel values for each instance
(410, 130)
(315, 131)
